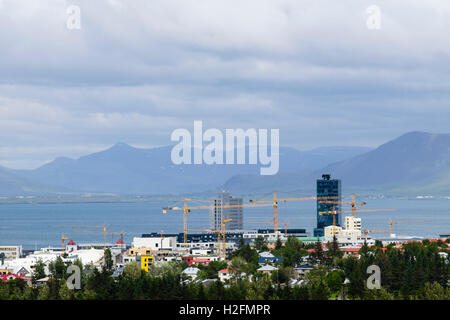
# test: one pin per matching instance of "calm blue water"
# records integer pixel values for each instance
(34, 225)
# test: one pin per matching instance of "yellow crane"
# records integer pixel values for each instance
(103, 227)
(334, 212)
(224, 249)
(375, 231)
(63, 238)
(104, 232)
(353, 203)
(403, 221)
(275, 202)
(186, 209)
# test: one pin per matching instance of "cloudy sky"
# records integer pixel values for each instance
(136, 70)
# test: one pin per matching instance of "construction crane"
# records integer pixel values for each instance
(186, 209)
(353, 203)
(375, 231)
(104, 232)
(403, 221)
(334, 212)
(103, 227)
(275, 202)
(224, 249)
(63, 238)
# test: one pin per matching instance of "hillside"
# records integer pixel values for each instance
(124, 169)
(416, 162)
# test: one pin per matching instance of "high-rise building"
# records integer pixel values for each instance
(327, 187)
(218, 213)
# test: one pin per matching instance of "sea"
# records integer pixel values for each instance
(38, 225)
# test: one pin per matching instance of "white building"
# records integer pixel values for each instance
(155, 243)
(268, 237)
(224, 275)
(11, 252)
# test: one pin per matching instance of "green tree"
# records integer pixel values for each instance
(433, 291)
(58, 268)
(334, 280)
(260, 244)
(64, 292)
(278, 244)
(132, 270)
(108, 262)
(38, 272)
(43, 292)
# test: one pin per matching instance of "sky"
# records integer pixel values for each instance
(137, 70)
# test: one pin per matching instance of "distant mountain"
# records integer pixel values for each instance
(414, 162)
(123, 169)
(12, 184)
(415, 158)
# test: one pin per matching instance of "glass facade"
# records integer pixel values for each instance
(218, 213)
(327, 187)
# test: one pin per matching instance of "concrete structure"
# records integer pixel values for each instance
(327, 187)
(11, 252)
(270, 236)
(218, 213)
(155, 242)
(352, 223)
(145, 261)
(348, 236)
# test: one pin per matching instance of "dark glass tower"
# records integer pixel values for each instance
(327, 187)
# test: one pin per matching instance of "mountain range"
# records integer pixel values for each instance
(416, 162)
(413, 162)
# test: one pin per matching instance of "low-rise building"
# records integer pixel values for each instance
(267, 269)
(145, 261)
(301, 270)
(11, 252)
(155, 242)
(224, 275)
(191, 272)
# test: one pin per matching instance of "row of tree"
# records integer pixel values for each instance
(415, 271)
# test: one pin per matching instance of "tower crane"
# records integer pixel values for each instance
(186, 209)
(353, 203)
(63, 238)
(104, 232)
(224, 249)
(403, 221)
(334, 212)
(375, 231)
(275, 202)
